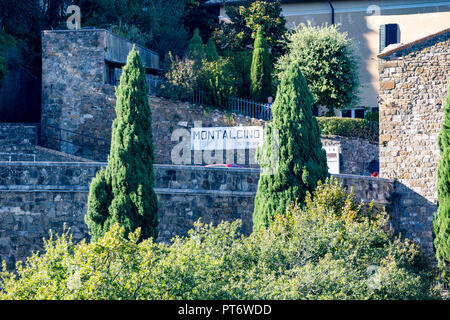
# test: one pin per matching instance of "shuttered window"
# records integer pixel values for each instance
(389, 34)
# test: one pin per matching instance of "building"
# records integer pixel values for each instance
(373, 25)
(79, 71)
(414, 80)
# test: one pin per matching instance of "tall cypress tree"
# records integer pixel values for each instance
(195, 48)
(301, 160)
(211, 51)
(261, 70)
(123, 192)
(442, 219)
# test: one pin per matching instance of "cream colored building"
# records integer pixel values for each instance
(362, 21)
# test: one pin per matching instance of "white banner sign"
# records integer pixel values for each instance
(226, 138)
(332, 159)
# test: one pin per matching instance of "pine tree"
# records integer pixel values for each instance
(301, 159)
(261, 70)
(442, 219)
(195, 50)
(123, 191)
(211, 51)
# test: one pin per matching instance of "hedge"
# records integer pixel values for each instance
(349, 127)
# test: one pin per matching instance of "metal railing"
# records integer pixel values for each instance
(251, 108)
(197, 96)
(17, 156)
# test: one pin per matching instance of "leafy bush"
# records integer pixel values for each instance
(219, 80)
(441, 221)
(349, 127)
(372, 115)
(246, 19)
(242, 62)
(327, 60)
(308, 253)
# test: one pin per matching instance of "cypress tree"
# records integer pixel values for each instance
(301, 160)
(211, 51)
(123, 191)
(195, 48)
(261, 70)
(442, 219)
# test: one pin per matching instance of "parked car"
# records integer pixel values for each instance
(223, 165)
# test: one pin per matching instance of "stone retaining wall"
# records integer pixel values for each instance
(18, 137)
(356, 155)
(36, 197)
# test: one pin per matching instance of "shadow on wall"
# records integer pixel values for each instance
(412, 216)
(20, 98)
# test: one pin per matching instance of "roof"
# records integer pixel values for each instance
(410, 44)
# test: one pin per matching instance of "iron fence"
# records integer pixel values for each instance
(10, 156)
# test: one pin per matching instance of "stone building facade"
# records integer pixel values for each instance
(79, 71)
(414, 79)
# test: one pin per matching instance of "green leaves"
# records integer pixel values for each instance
(261, 70)
(320, 251)
(123, 192)
(441, 221)
(328, 63)
(246, 19)
(302, 161)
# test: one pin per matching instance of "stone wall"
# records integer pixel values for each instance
(74, 94)
(18, 137)
(36, 197)
(413, 86)
(356, 155)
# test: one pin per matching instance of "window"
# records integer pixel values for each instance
(353, 113)
(359, 113)
(389, 34)
(346, 113)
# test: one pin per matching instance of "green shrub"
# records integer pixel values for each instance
(211, 50)
(441, 221)
(195, 49)
(309, 253)
(242, 62)
(349, 127)
(181, 79)
(327, 61)
(219, 80)
(372, 115)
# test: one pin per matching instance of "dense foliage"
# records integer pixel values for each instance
(211, 53)
(295, 136)
(442, 219)
(218, 79)
(246, 19)
(261, 70)
(123, 192)
(155, 24)
(327, 61)
(242, 62)
(349, 127)
(201, 71)
(9, 54)
(330, 249)
(195, 49)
